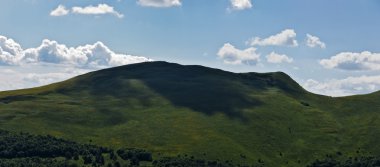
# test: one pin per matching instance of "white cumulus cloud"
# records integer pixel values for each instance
(10, 51)
(285, 38)
(353, 61)
(95, 55)
(100, 9)
(276, 58)
(314, 41)
(59, 11)
(231, 55)
(96, 10)
(53, 62)
(344, 87)
(240, 4)
(159, 3)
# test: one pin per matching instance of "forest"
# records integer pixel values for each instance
(360, 161)
(24, 149)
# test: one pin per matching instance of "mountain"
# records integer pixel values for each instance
(172, 109)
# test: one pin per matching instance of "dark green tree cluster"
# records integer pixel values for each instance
(34, 162)
(135, 155)
(182, 161)
(363, 161)
(26, 149)
(186, 161)
(20, 145)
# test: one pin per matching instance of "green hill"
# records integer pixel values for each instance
(171, 109)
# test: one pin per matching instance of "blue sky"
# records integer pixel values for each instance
(341, 57)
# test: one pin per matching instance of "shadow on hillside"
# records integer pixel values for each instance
(208, 98)
(208, 91)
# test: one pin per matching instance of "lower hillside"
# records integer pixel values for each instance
(23, 149)
(204, 113)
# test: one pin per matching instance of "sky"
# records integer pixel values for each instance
(328, 47)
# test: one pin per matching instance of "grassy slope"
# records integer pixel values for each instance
(172, 109)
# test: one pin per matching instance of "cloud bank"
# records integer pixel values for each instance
(95, 55)
(29, 75)
(353, 61)
(53, 62)
(344, 87)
